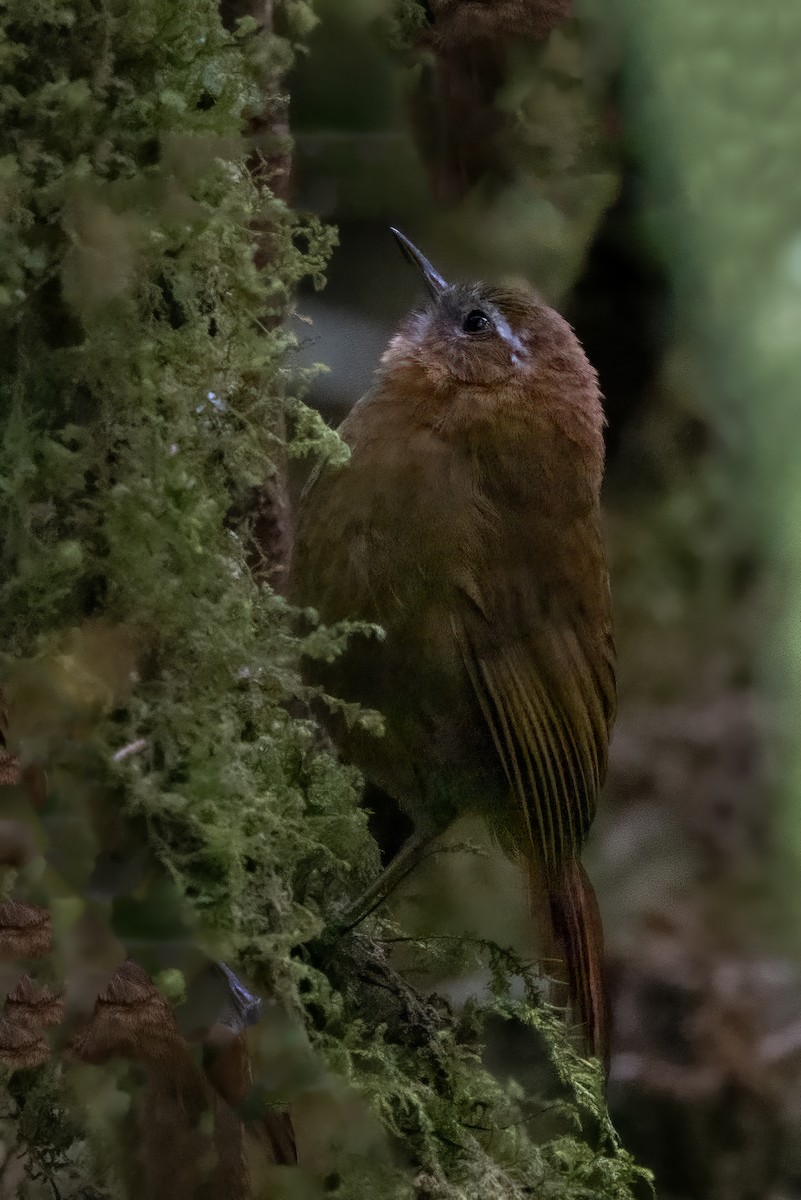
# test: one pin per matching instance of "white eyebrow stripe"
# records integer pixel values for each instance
(506, 332)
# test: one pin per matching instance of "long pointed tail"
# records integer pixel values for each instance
(577, 929)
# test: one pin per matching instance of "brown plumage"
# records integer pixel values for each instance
(466, 523)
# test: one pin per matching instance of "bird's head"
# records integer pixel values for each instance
(481, 338)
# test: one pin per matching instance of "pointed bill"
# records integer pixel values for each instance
(433, 280)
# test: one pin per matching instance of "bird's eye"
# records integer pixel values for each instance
(476, 322)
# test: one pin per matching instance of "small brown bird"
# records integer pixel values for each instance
(466, 524)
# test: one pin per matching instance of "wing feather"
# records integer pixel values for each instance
(547, 696)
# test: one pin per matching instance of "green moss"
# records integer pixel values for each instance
(405, 22)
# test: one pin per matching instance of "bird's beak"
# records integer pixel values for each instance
(433, 280)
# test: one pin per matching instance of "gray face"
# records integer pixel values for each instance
(468, 314)
(463, 336)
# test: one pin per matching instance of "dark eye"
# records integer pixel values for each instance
(476, 322)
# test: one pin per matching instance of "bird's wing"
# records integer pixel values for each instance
(324, 571)
(543, 674)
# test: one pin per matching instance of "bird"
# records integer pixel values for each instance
(466, 524)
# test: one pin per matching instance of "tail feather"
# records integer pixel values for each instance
(578, 933)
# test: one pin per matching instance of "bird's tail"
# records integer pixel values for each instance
(579, 942)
